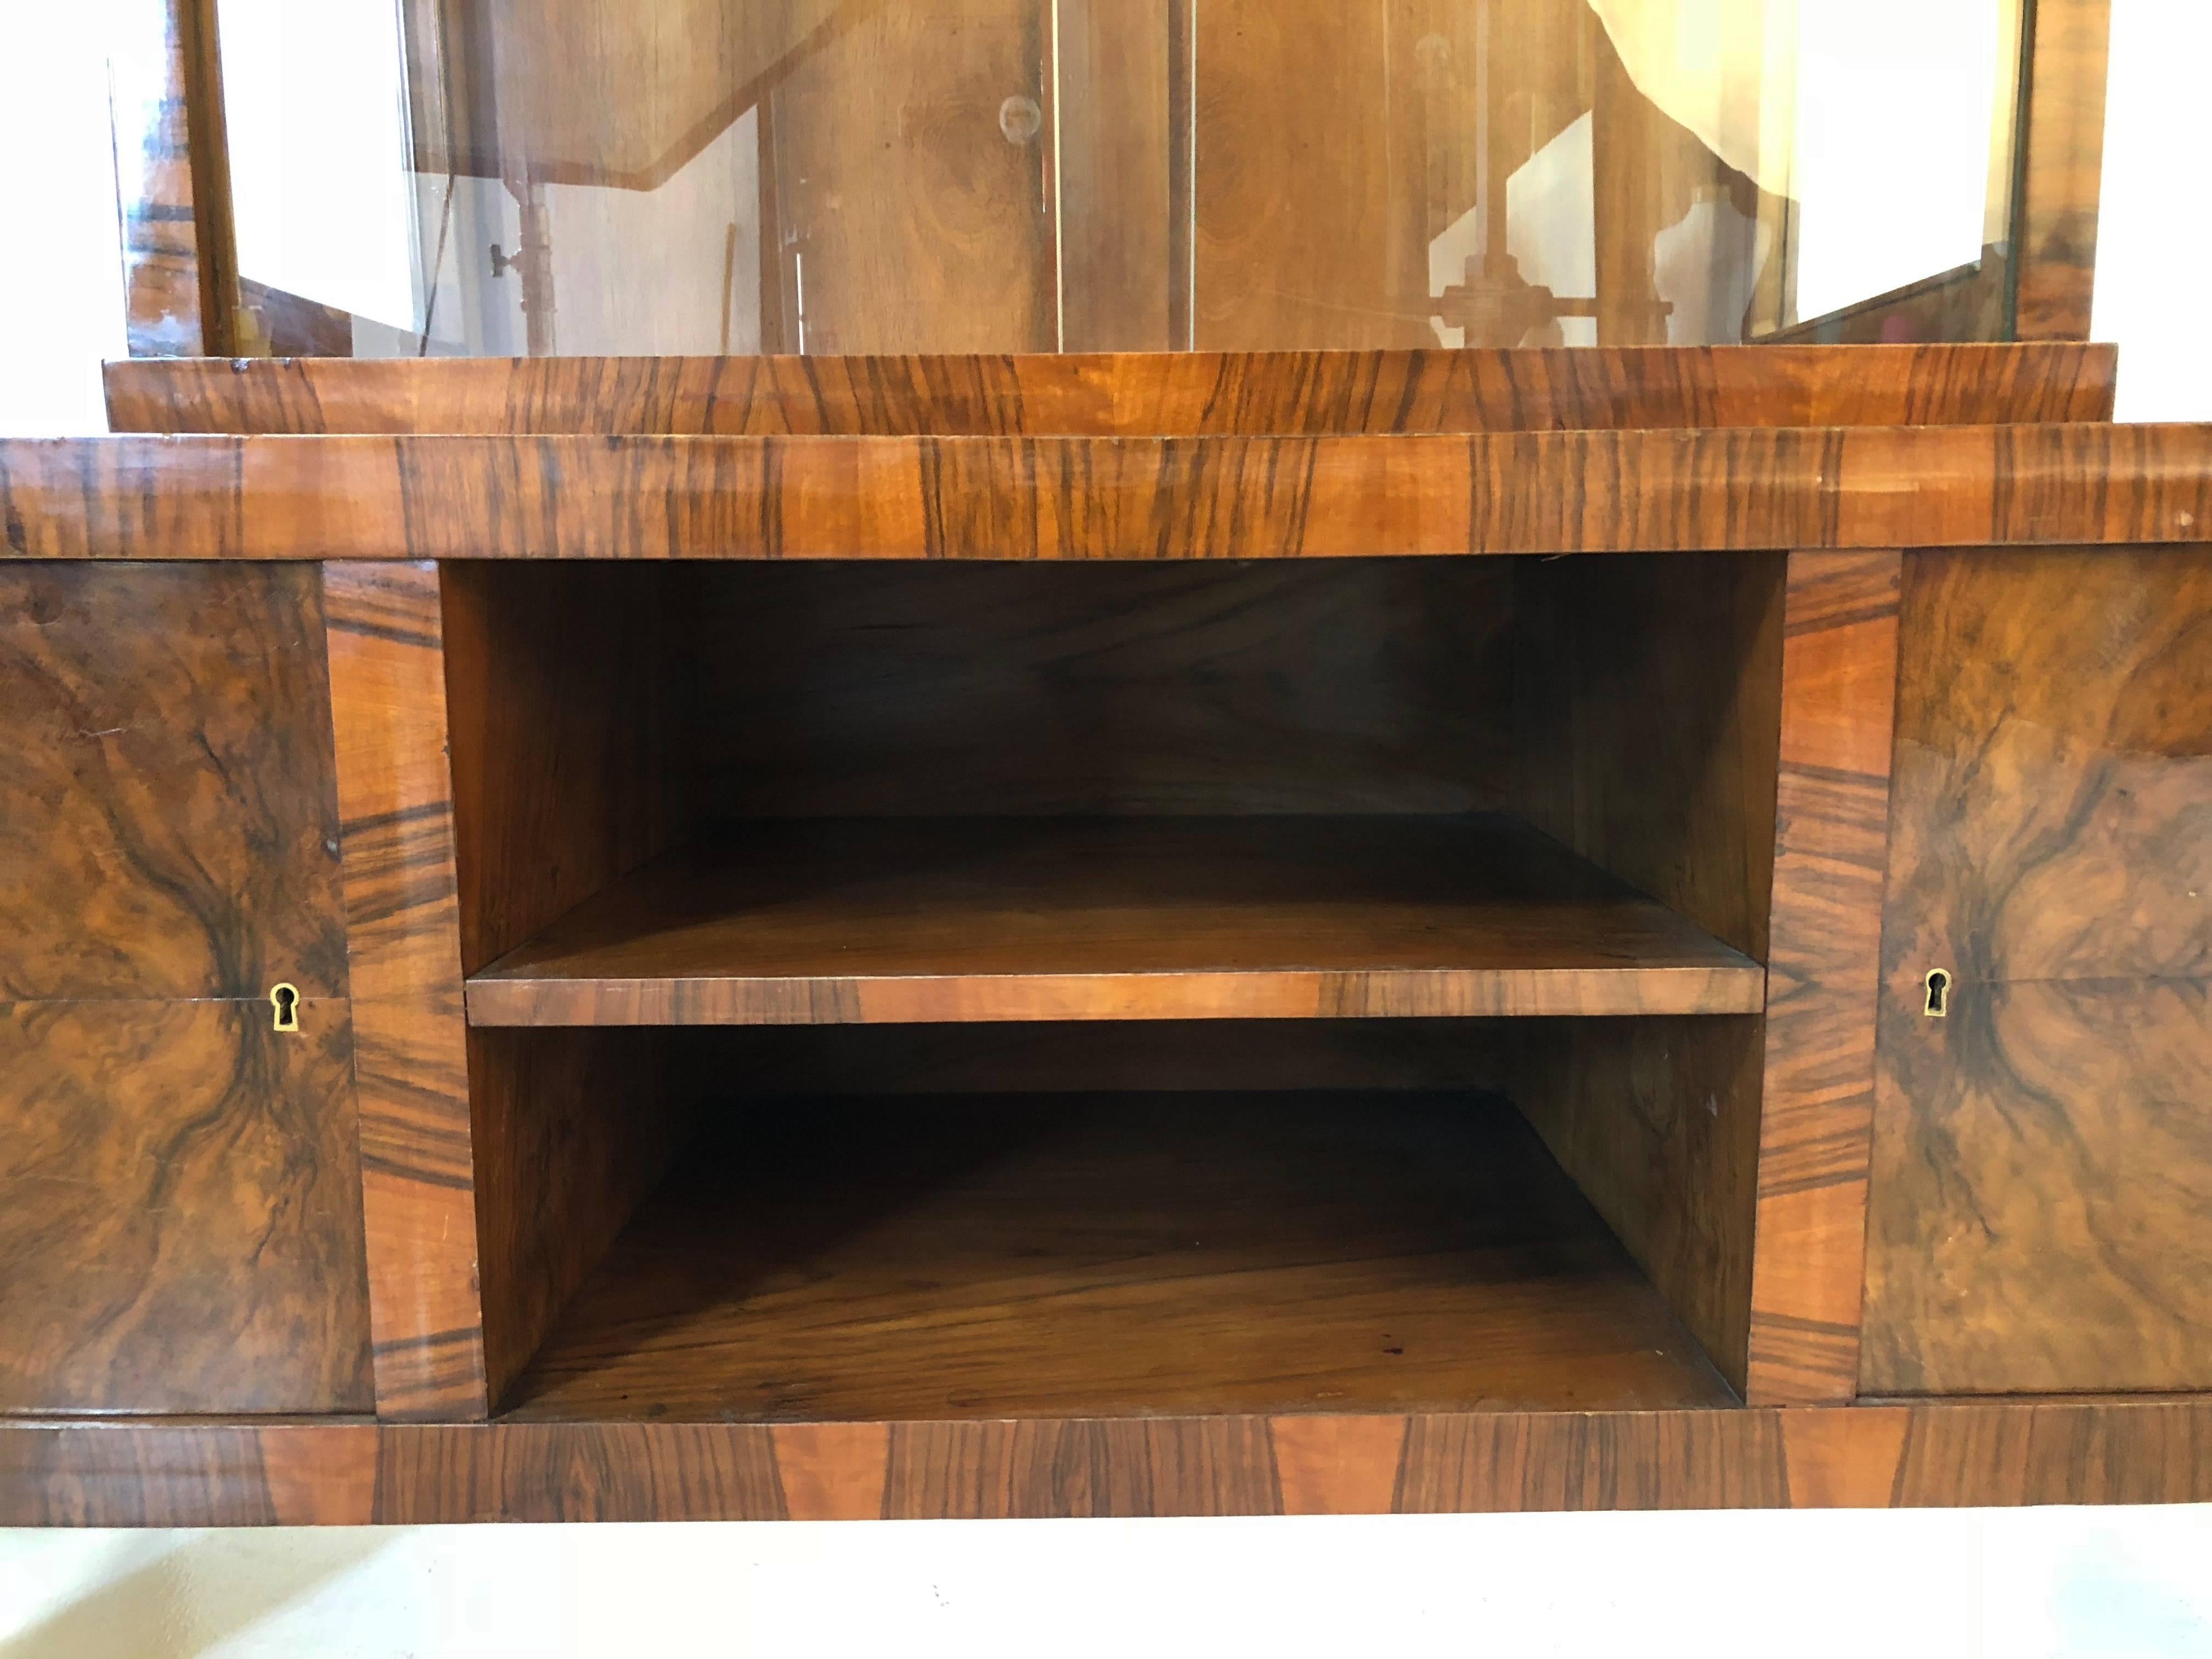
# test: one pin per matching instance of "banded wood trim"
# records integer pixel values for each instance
(1976, 1453)
(1149, 394)
(1082, 498)
(411, 1056)
(1824, 972)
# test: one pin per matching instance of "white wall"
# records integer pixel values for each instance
(2154, 224)
(61, 277)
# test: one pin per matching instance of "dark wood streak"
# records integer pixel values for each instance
(1806, 1457)
(2043, 1154)
(410, 1064)
(1169, 394)
(1832, 818)
(1124, 498)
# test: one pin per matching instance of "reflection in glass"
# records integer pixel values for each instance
(708, 176)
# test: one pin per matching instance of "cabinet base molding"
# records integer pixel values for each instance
(201, 1473)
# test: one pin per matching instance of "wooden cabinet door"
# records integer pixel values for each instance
(181, 1222)
(2041, 1210)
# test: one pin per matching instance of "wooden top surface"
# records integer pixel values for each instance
(1114, 1255)
(1162, 394)
(965, 919)
(1103, 498)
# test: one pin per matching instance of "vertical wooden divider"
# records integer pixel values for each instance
(1832, 837)
(396, 826)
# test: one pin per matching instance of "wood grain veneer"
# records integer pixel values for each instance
(1804, 1457)
(411, 1063)
(1174, 394)
(167, 813)
(2062, 173)
(567, 723)
(180, 1209)
(1831, 843)
(829, 690)
(1079, 1256)
(2043, 1155)
(179, 1218)
(860, 919)
(1645, 709)
(1075, 498)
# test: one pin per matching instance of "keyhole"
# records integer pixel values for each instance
(285, 998)
(1939, 993)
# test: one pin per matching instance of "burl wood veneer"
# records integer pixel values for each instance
(1004, 936)
(2042, 1216)
(179, 1187)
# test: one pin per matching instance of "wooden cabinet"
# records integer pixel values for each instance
(1100, 935)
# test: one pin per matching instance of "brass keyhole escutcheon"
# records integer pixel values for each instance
(1939, 993)
(285, 1000)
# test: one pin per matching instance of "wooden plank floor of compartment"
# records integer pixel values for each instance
(819, 922)
(1114, 1255)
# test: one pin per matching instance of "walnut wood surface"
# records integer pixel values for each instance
(2043, 1154)
(179, 1219)
(167, 817)
(1162, 394)
(1804, 1457)
(1839, 656)
(411, 1063)
(180, 1209)
(2061, 172)
(1075, 498)
(827, 689)
(566, 728)
(858, 919)
(1645, 709)
(1079, 1254)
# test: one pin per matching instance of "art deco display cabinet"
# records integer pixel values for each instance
(1391, 931)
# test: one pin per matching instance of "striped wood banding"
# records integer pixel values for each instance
(395, 804)
(1831, 837)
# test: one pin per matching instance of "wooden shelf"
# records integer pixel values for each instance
(924, 1258)
(928, 920)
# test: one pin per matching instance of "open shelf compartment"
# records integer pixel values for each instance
(922, 1257)
(1389, 935)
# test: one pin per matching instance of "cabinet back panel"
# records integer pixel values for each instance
(1372, 686)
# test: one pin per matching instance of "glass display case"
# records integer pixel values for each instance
(583, 177)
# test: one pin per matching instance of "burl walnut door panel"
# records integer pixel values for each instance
(180, 1197)
(2041, 1214)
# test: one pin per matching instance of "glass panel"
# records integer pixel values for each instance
(681, 176)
